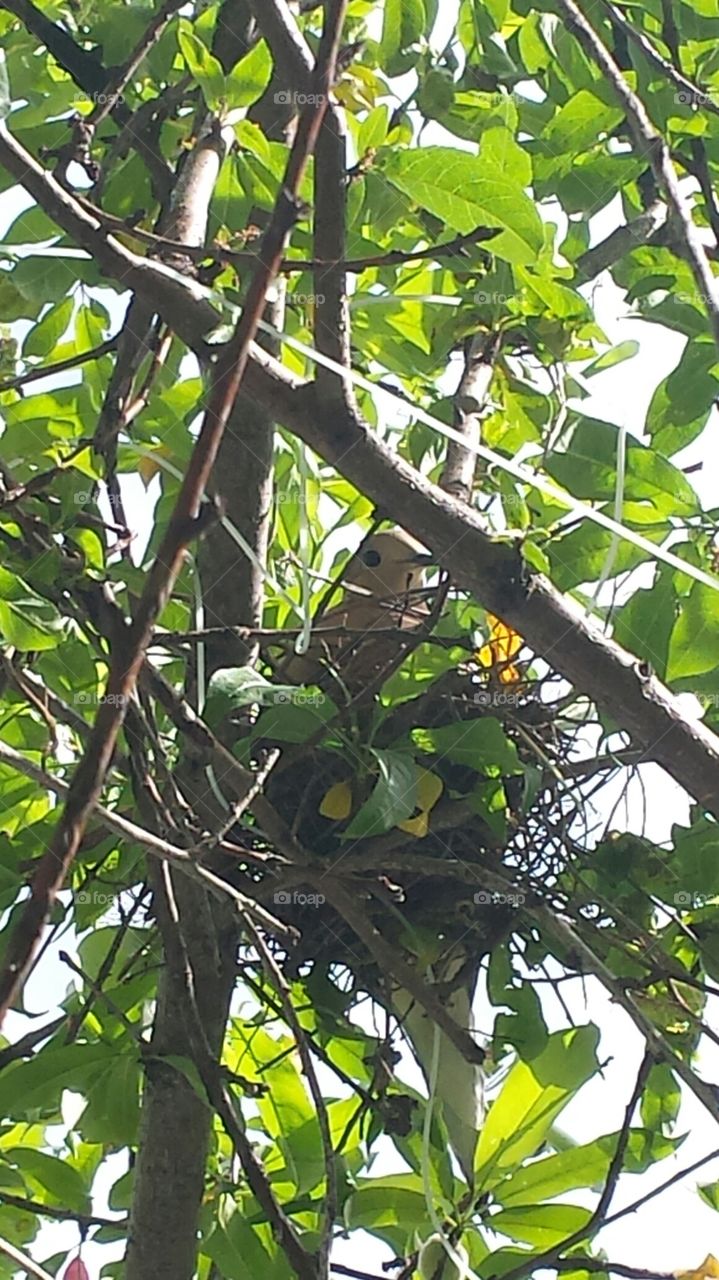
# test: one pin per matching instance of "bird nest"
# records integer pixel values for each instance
(426, 881)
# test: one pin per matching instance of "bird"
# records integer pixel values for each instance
(385, 586)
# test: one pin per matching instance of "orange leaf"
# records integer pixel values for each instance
(709, 1270)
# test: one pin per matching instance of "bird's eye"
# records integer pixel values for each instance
(371, 558)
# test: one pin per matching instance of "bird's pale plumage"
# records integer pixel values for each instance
(384, 583)
(459, 1089)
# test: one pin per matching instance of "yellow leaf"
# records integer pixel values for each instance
(429, 789)
(148, 467)
(709, 1270)
(504, 643)
(337, 802)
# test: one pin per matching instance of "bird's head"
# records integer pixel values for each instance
(388, 564)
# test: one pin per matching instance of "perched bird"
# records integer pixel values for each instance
(385, 582)
(459, 1087)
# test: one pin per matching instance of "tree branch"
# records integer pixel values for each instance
(650, 142)
(554, 625)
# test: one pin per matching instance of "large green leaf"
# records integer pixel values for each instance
(467, 192)
(530, 1101)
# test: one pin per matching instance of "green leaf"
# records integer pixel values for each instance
(47, 332)
(530, 1101)
(661, 1098)
(616, 355)
(644, 624)
(403, 26)
(393, 798)
(541, 1225)
(577, 124)
(237, 1250)
(38, 1083)
(694, 642)
(588, 469)
(206, 69)
(580, 1166)
(249, 77)
(392, 1208)
(482, 744)
(466, 192)
(27, 621)
(62, 1183)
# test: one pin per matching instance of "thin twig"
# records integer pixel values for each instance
(274, 973)
(181, 858)
(49, 370)
(650, 142)
(59, 1215)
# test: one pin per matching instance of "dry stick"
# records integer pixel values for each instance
(24, 1260)
(276, 976)
(391, 962)
(48, 370)
(655, 58)
(241, 258)
(648, 139)
(128, 658)
(113, 90)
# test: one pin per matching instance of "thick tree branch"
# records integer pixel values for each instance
(469, 403)
(554, 626)
(85, 68)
